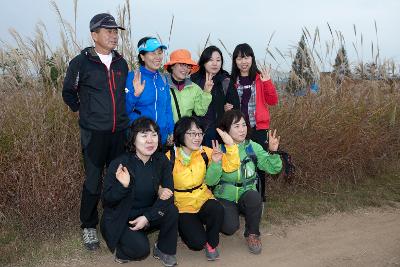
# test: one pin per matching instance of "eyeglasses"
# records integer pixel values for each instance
(194, 134)
(183, 65)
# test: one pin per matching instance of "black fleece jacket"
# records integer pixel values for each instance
(120, 203)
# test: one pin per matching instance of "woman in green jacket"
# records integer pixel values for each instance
(237, 190)
(187, 98)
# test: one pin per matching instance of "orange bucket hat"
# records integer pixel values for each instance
(182, 56)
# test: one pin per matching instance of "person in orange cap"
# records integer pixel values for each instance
(187, 98)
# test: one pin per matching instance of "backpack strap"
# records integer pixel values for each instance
(251, 154)
(172, 157)
(205, 158)
(176, 102)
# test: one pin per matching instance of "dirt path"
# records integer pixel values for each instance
(365, 238)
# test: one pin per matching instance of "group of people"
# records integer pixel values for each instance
(185, 149)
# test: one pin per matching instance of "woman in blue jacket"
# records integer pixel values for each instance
(147, 90)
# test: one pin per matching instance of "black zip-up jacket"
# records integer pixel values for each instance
(98, 93)
(118, 201)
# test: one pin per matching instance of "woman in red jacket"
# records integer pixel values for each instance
(252, 91)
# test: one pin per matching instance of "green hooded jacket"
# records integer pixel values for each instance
(191, 99)
(232, 185)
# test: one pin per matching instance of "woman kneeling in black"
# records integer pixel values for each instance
(132, 206)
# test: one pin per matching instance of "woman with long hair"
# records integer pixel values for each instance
(212, 77)
(253, 92)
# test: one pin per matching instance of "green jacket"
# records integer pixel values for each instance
(191, 99)
(231, 185)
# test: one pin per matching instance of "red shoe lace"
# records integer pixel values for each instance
(209, 248)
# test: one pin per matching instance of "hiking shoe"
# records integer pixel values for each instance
(167, 260)
(212, 254)
(254, 243)
(90, 239)
(121, 261)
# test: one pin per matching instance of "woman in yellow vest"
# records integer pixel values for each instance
(195, 202)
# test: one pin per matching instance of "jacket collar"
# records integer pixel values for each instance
(147, 72)
(172, 85)
(90, 52)
(180, 157)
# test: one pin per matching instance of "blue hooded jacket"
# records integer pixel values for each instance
(154, 102)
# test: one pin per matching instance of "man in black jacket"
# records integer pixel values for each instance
(94, 87)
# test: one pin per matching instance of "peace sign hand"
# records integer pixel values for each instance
(216, 155)
(137, 84)
(273, 141)
(226, 138)
(265, 73)
(123, 176)
(209, 82)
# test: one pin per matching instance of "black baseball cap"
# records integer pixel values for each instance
(103, 20)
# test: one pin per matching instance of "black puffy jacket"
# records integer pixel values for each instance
(98, 93)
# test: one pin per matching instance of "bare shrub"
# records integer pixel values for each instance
(340, 136)
(40, 164)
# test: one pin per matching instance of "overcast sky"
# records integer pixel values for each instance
(251, 21)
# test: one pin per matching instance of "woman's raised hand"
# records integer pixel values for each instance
(123, 176)
(265, 73)
(216, 155)
(226, 138)
(273, 141)
(208, 85)
(137, 83)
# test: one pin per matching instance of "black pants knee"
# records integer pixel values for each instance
(134, 245)
(249, 204)
(231, 217)
(191, 227)
(98, 150)
(168, 235)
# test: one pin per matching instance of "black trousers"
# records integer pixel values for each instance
(191, 227)
(260, 137)
(249, 204)
(98, 150)
(134, 245)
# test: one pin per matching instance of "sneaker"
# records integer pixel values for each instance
(121, 261)
(167, 260)
(254, 243)
(212, 254)
(90, 239)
